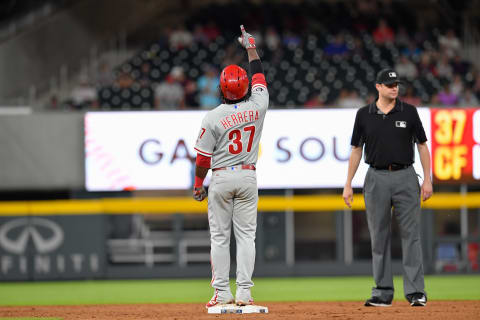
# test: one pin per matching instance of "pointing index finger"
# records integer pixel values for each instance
(242, 29)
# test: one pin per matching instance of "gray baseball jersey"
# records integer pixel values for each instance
(230, 134)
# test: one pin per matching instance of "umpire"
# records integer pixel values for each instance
(389, 128)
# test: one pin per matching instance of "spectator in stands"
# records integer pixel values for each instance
(449, 43)
(358, 47)
(349, 99)
(443, 68)
(410, 97)
(291, 40)
(406, 68)
(402, 39)
(124, 80)
(272, 39)
(144, 78)
(258, 35)
(417, 44)
(169, 94)
(412, 52)
(189, 88)
(199, 35)
(317, 100)
(337, 47)
(468, 99)
(232, 55)
(476, 88)
(208, 86)
(104, 76)
(422, 34)
(459, 66)
(446, 97)
(211, 31)
(180, 38)
(426, 66)
(342, 95)
(457, 86)
(383, 34)
(84, 95)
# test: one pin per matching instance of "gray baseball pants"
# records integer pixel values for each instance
(232, 197)
(400, 189)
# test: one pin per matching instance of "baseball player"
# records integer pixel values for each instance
(228, 143)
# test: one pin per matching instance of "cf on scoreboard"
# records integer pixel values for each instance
(456, 145)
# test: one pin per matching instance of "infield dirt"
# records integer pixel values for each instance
(439, 310)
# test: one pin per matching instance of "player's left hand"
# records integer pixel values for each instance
(199, 193)
(427, 190)
(246, 39)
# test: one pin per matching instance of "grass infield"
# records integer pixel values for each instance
(451, 287)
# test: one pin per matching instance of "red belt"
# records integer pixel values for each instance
(243, 166)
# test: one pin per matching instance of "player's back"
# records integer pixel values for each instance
(238, 128)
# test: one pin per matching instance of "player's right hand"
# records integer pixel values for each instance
(246, 39)
(348, 195)
(199, 193)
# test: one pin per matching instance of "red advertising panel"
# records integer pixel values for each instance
(455, 143)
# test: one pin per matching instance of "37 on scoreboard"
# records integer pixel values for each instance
(455, 145)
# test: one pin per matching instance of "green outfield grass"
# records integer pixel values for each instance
(454, 287)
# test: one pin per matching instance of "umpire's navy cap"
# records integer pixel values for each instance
(388, 76)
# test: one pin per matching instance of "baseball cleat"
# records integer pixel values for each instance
(243, 297)
(377, 302)
(245, 302)
(417, 299)
(216, 301)
(212, 303)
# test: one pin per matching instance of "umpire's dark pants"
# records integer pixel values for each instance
(400, 189)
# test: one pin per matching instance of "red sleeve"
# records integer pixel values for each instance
(258, 79)
(203, 161)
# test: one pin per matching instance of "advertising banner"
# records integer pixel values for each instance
(52, 247)
(154, 150)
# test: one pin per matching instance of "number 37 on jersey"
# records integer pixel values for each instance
(235, 142)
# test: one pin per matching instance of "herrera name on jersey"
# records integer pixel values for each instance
(238, 118)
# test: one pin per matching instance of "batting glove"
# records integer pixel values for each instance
(246, 39)
(199, 193)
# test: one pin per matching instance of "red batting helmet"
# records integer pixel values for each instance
(234, 82)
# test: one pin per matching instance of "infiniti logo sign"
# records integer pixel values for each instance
(46, 235)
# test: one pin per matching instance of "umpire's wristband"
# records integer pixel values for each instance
(256, 66)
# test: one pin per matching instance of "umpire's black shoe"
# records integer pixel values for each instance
(377, 302)
(417, 299)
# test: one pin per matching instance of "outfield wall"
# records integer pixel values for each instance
(300, 232)
(85, 239)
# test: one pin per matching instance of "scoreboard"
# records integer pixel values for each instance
(455, 145)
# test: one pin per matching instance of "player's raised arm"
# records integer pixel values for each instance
(256, 69)
(248, 42)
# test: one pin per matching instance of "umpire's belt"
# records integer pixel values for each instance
(391, 167)
(237, 167)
